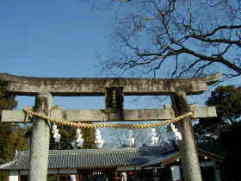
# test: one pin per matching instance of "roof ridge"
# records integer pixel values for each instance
(91, 151)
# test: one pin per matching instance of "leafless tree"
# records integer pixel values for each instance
(189, 37)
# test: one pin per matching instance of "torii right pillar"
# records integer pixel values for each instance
(188, 148)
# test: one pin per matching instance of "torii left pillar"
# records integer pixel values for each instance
(40, 139)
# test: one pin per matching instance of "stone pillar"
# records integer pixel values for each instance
(188, 149)
(40, 140)
(13, 176)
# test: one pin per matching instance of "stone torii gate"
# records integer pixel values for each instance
(114, 90)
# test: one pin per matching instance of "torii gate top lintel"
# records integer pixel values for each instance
(28, 86)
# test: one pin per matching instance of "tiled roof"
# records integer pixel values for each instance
(90, 158)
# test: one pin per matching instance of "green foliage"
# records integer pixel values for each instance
(227, 100)
(11, 137)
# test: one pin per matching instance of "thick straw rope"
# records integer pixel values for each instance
(62, 122)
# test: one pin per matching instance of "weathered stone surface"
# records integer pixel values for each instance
(21, 85)
(129, 115)
(40, 140)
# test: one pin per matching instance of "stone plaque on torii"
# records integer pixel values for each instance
(114, 90)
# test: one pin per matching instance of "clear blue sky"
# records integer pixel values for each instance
(53, 38)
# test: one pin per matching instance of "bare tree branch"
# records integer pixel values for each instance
(194, 35)
(216, 40)
(219, 28)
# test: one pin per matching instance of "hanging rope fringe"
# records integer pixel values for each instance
(62, 122)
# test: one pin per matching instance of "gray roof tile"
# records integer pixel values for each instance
(90, 158)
